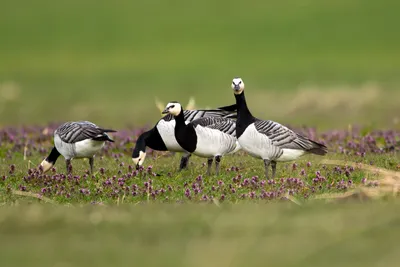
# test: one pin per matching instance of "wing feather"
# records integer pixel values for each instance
(72, 132)
(283, 137)
(224, 125)
(191, 115)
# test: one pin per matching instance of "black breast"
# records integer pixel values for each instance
(154, 140)
(186, 137)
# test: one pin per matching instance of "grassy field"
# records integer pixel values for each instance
(116, 180)
(328, 69)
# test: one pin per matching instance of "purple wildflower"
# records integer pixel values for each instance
(294, 166)
(187, 193)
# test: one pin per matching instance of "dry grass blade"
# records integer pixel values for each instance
(34, 195)
(293, 199)
(358, 193)
(191, 104)
(216, 202)
(365, 167)
(388, 184)
(160, 105)
(25, 150)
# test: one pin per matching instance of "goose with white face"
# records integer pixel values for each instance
(173, 108)
(237, 86)
(269, 140)
(162, 138)
(206, 137)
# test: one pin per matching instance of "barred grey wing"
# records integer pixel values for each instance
(72, 132)
(191, 115)
(281, 136)
(224, 125)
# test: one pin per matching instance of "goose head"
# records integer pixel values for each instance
(237, 86)
(138, 161)
(49, 162)
(46, 165)
(173, 108)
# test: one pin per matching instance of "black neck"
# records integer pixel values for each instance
(54, 154)
(180, 120)
(244, 116)
(140, 144)
(185, 134)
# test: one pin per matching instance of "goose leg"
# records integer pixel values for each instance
(209, 164)
(184, 161)
(217, 161)
(266, 165)
(91, 161)
(68, 166)
(273, 166)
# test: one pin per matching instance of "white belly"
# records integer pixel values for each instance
(82, 149)
(211, 143)
(65, 149)
(290, 154)
(87, 148)
(166, 130)
(254, 143)
(260, 146)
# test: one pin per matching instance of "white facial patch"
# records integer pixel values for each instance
(174, 108)
(139, 160)
(237, 82)
(46, 165)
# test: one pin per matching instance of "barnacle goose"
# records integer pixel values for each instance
(208, 137)
(161, 137)
(269, 140)
(81, 139)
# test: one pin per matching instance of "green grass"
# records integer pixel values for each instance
(315, 63)
(241, 179)
(201, 235)
(106, 61)
(176, 183)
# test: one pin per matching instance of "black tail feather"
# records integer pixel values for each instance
(104, 137)
(318, 149)
(229, 108)
(108, 131)
(110, 140)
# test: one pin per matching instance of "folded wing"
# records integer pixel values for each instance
(224, 125)
(72, 132)
(283, 137)
(191, 115)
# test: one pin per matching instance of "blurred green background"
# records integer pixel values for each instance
(320, 63)
(356, 235)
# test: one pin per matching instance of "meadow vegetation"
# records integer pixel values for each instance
(330, 70)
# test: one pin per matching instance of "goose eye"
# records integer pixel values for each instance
(172, 106)
(240, 82)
